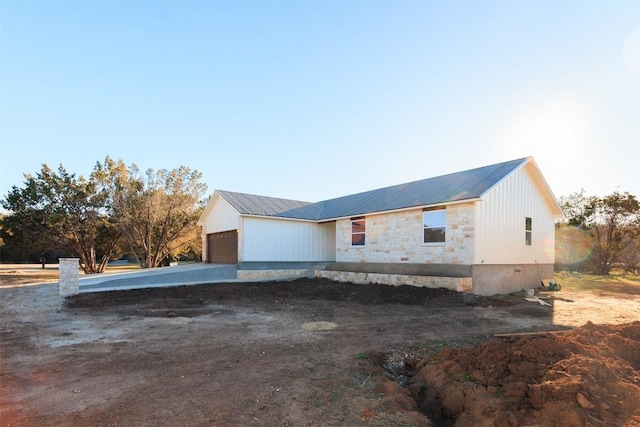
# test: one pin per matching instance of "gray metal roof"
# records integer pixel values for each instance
(465, 185)
(251, 204)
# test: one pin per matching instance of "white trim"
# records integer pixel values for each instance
(207, 210)
(549, 196)
(412, 208)
(504, 178)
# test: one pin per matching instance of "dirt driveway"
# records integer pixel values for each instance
(239, 354)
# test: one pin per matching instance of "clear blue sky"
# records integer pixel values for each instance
(312, 100)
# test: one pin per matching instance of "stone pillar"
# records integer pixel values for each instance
(68, 281)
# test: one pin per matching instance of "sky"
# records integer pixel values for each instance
(311, 99)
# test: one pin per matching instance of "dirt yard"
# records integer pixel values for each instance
(318, 353)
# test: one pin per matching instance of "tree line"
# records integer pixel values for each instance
(599, 234)
(116, 211)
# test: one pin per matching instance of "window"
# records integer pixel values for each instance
(357, 231)
(527, 231)
(434, 223)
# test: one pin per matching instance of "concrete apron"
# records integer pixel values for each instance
(191, 274)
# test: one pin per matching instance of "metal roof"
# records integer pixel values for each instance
(455, 187)
(251, 204)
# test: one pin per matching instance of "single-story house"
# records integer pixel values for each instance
(485, 231)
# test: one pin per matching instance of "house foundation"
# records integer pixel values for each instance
(456, 284)
(495, 279)
(476, 279)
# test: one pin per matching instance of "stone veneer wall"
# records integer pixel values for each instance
(397, 237)
(273, 274)
(69, 281)
(457, 284)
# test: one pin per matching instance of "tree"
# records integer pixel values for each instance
(573, 247)
(573, 207)
(630, 257)
(613, 222)
(24, 242)
(57, 206)
(2, 244)
(157, 212)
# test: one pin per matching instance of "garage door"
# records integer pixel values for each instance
(222, 248)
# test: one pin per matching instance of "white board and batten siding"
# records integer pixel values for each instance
(223, 217)
(500, 223)
(268, 239)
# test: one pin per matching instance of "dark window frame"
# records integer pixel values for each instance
(358, 231)
(528, 231)
(436, 233)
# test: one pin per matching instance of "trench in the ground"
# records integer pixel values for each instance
(403, 367)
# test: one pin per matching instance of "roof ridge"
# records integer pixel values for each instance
(319, 215)
(447, 188)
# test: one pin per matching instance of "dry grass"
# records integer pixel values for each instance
(34, 274)
(614, 284)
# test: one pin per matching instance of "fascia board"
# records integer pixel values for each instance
(547, 194)
(237, 206)
(501, 180)
(212, 201)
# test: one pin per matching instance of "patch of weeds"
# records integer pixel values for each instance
(317, 401)
(428, 353)
(361, 356)
(329, 393)
(467, 378)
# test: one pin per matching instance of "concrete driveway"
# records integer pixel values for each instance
(177, 275)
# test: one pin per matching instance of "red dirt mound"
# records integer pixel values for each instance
(589, 376)
(586, 377)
